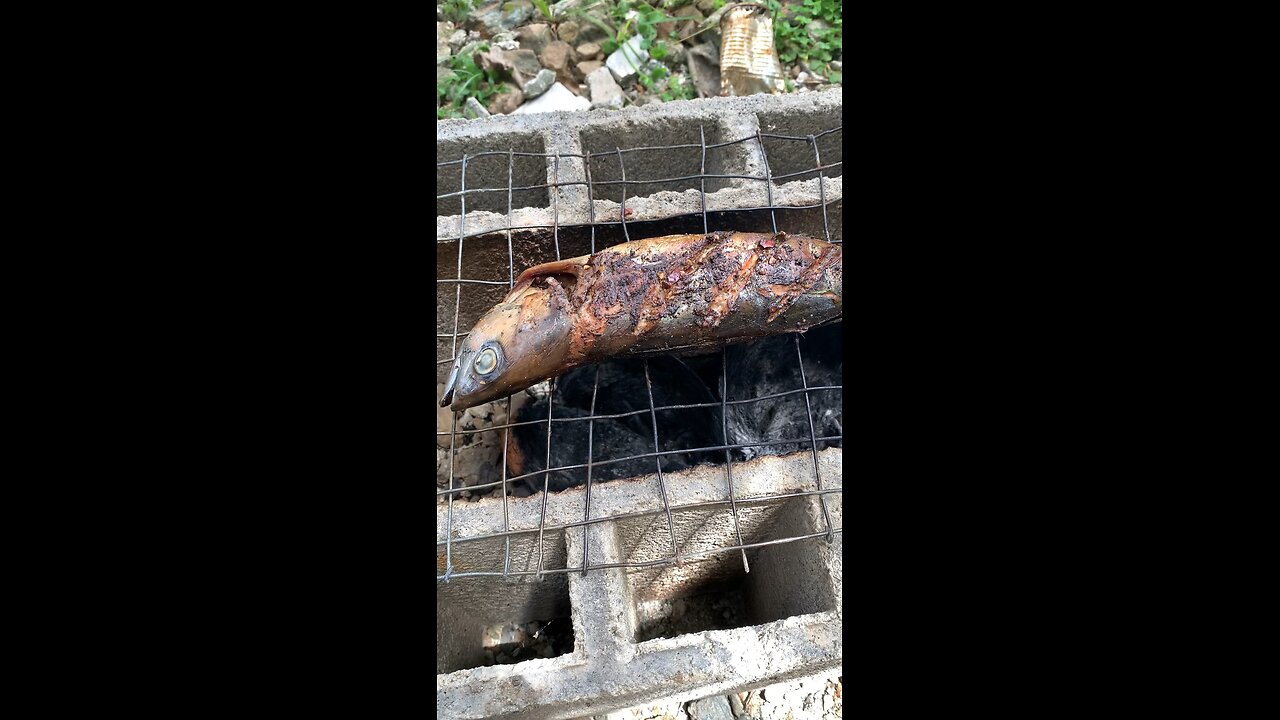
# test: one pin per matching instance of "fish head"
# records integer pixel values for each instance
(520, 342)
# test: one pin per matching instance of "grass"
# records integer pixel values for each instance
(797, 41)
(465, 79)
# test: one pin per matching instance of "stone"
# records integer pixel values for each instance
(556, 55)
(562, 8)
(568, 31)
(589, 51)
(471, 47)
(735, 704)
(458, 38)
(590, 32)
(443, 76)
(690, 26)
(524, 62)
(505, 15)
(628, 59)
(556, 99)
(712, 708)
(666, 28)
(589, 66)
(676, 54)
(534, 37)
(443, 51)
(605, 92)
(504, 41)
(704, 69)
(473, 109)
(538, 84)
(508, 102)
(707, 6)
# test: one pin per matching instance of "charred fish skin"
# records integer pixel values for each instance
(672, 294)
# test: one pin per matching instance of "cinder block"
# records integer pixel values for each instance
(785, 620)
(640, 627)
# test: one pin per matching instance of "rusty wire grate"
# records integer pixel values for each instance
(652, 410)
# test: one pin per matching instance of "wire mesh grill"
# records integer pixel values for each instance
(601, 189)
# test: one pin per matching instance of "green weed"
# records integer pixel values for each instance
(457, 10)
(466, 79)
(797, 40)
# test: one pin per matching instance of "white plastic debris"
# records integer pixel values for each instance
(627, 60)
(557, 99)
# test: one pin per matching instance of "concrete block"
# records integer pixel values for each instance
(704, 627)
(787, 625)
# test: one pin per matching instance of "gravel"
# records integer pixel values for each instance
(516, 642)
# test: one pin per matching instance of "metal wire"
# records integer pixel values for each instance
(733, 502)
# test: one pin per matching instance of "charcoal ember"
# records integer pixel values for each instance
(609, 439)
(770, 366)
(622, 390)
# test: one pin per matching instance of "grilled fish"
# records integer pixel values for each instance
(676, 294)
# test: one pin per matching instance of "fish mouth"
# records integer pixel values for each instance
(450, 385)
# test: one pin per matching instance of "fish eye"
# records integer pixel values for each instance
(486, 361)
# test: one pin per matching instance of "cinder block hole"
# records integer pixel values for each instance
(794, 156)
(662, 162)
(786, 580)
(485, 620)
(489, 173)
(797, 221)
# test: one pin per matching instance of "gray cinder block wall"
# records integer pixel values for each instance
(788, 619)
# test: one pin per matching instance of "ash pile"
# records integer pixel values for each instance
(620, 442)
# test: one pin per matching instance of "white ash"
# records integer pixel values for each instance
(477, 456)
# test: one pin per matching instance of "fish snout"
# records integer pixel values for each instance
(451, 384)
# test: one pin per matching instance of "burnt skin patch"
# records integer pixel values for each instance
(673, 274)
(732, 270)
(828, 258)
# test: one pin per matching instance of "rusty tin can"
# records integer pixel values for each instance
(748, 60)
